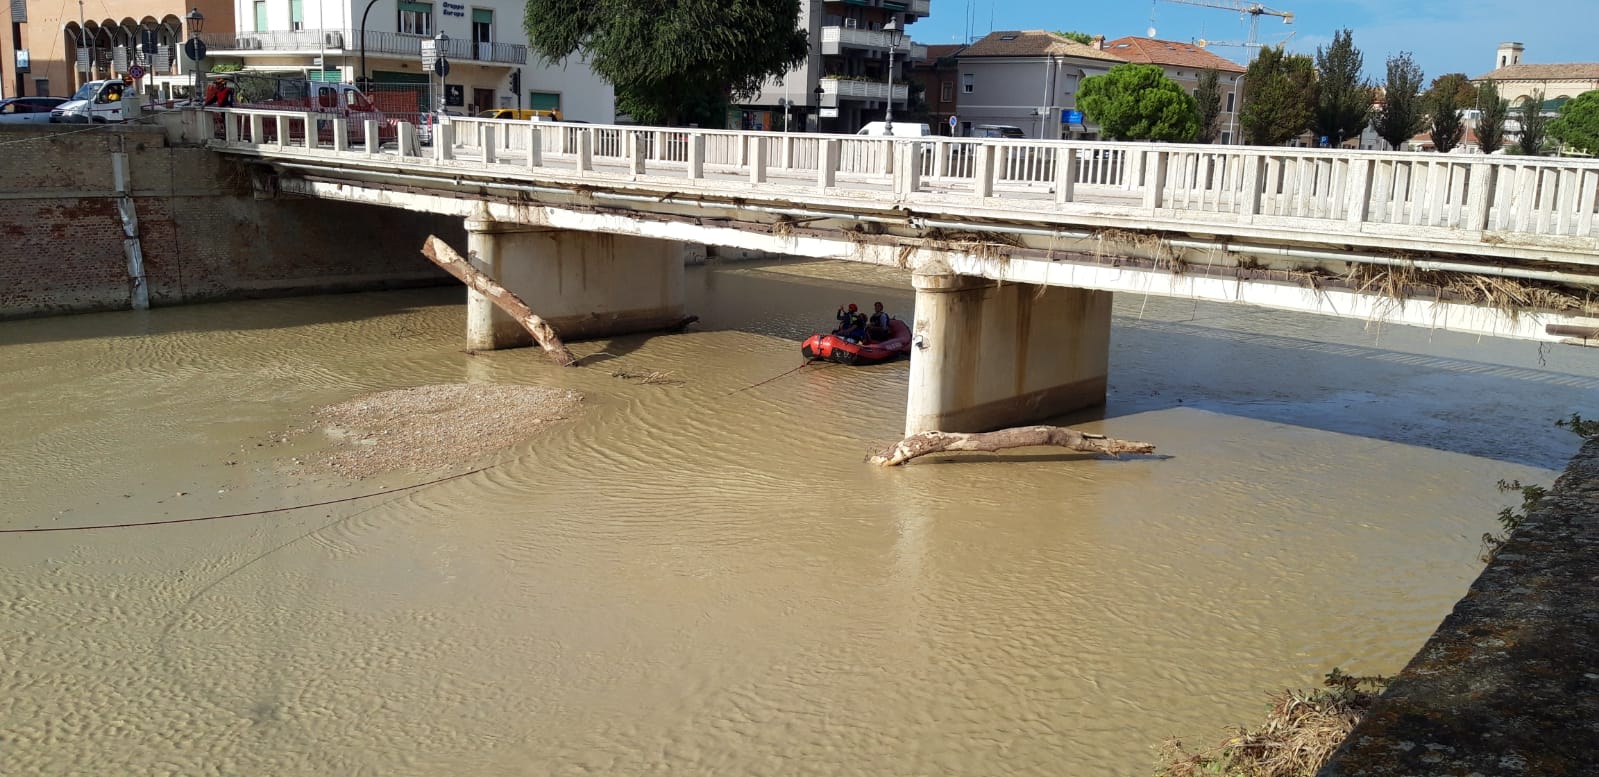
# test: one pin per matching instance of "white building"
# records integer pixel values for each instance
(486, 48)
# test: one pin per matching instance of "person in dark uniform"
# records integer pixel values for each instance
(877, 325)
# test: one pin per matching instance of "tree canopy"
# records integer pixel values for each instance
(1447, 128)
(1534, 126)
(673, 61)
(1279, 97)
(1403, 113)
(1491, 123)
(1138, 102)
(1458, 84)
(1343, 96)
(1208, 98)
(1578, 123)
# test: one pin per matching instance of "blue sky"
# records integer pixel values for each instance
(1444, 37)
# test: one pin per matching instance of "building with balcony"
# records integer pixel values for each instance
(1183, 63)
(380, 44)
(64, 45)
(845, 80)
(1029, 79)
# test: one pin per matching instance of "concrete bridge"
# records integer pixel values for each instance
(588, 223)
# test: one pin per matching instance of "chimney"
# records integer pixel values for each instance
(1099, 42)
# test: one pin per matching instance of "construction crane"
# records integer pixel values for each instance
(1255, 11)
(1240, 44)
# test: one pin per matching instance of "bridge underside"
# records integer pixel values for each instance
(1029, 343)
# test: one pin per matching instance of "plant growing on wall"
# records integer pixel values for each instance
(1578, 123)
(673, 62)
(1279, 97)
(1138, 102)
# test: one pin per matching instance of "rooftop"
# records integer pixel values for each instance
(1033, 43)
(1581, 71)
(1169, 52)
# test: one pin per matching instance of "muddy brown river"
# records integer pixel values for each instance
(691, 579)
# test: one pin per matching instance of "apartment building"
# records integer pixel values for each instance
(1028, 79)
(380, 44)
(845, 79)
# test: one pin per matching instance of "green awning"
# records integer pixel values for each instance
(482, 16)
(325, 76)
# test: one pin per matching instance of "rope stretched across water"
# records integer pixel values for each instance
(136, 524)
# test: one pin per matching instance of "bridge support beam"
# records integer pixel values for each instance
(989, 356)
(585, 284)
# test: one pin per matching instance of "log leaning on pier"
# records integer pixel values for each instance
(453, 263)
(1018, 437)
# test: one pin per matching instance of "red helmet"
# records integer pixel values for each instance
(852, 308)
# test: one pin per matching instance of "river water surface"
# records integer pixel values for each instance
(696, 579)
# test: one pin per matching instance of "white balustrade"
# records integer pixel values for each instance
(1322, 190)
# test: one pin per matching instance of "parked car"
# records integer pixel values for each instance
(898, 129)
(28, 110)
(998, 131)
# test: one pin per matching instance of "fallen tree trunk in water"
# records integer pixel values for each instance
(1018, 437)
(453, 263)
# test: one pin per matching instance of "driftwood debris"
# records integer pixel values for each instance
(1018, 437)
(453, 263)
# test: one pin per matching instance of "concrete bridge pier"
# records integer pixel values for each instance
(989, 356)
(586, 284)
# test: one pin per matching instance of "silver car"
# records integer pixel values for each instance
(28, 110)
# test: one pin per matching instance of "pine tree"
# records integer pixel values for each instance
(1402, 114)
(1491, 121)
(1447, 129)
(1343, 96)
(1279, 97)
(1208, 97)
(1534, 126)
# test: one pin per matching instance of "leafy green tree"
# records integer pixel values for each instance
(1279, 97)
(1343, 96)
(1534, 126)
(1402, 114)
(673, 61)
(1578, 123)
(1081, 37)
(1208, 98)
(1459, 84)
(1491, 122)
(1447, 128)
(1138, 102)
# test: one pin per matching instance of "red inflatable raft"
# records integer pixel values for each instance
(838, 349)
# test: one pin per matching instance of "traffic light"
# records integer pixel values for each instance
(516, 81)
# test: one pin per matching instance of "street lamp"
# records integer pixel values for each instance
(818, 91)
(893, 43)
(196, 22)
(440, 42)
(362, 84)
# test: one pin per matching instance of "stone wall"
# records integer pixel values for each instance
(1507, 685)
(203, 235)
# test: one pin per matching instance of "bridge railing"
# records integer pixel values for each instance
(1335, 189)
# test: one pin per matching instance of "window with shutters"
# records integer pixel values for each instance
(297, 14)
(416, 18)
(946, 92)
(260, 16)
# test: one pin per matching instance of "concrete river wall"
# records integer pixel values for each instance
(201, 234)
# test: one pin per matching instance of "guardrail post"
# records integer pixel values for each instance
(341, 134)
(1359, 192)
(230, 126)
(487, 137)
(257, 129)
(282, 139)
(312, 129)
(585, 151)
(1134, 162)
(1252, 183)
(888, 156)
(757, 159)
(827, 156)
(983, 172)
(1065, 175)
(696, 156)
(535, 146)
(443, 141)
(369, 134)
(908, 175)
(1155, 180)
(1480, 197)
(786, 148)
(941, 150)
(635, 153)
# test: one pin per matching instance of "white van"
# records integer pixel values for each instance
(899, 129)
(96, 101)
